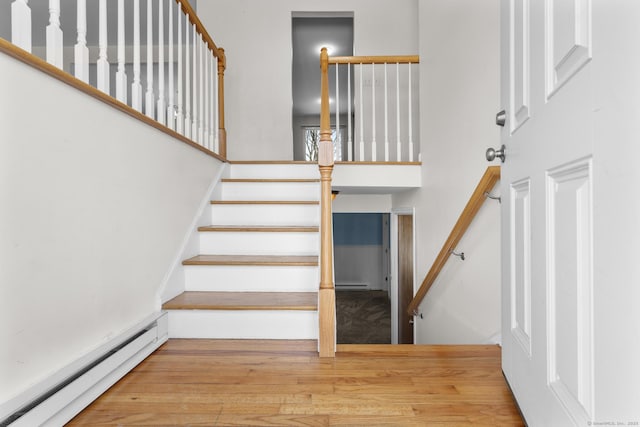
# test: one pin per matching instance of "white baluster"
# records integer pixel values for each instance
(196, 91)
(373, 113)
(54, 35)
(386, 116)
(149, 95)
(21, 24)
(216, 112)
(81, 49)
(349, 142)
(179, 116)
(410, 120)
(162, 106)
(187, 87)
(171, 112)
(136, 86)
(121, 74)
(338, 140)
(398, 143)
(361, 106)
(207, 141)
(202, 94)
(103, 62)
(212, 99)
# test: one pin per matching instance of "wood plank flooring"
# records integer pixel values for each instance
(280, 383)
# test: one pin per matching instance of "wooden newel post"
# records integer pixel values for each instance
(327, 296)
(222, 132)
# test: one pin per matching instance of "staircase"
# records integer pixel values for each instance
(256, 276)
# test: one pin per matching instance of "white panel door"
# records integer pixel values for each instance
(571, 209)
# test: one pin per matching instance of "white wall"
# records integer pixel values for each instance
(95, 206)
(256, 35)
(359, 264)
(459, 96)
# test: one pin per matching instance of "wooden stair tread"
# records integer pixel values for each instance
(262, 260)
(271, 162)
(286, 180)
(264, 202)
(243, 301)
(261, 228)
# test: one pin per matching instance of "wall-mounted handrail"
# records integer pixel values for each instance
(327, 293)
(190, 103)
(487, 182)
(380, 119)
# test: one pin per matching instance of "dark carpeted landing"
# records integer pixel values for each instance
(363, 317)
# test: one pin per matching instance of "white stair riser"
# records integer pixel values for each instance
(271, 171)
(270, 191)
(220, 278)
(243, 324)
(259, 243)
(265, 214)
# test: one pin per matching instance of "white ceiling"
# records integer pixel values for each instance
(309, 35)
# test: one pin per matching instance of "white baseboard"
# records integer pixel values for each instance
(132, 347)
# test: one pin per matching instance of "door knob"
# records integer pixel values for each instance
(492, 154)
(501, 118)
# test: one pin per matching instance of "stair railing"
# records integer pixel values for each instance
(186, 102)
(480, 194)
(377, 120)
(327, 294)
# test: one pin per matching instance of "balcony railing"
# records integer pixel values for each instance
(176, 78)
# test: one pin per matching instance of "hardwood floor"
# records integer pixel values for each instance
(279, 383)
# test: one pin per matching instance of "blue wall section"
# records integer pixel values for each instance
(350, 229)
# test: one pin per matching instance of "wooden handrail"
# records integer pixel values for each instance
(193, 18)
(487, 182)
(327, 294)
(218, 52)
(396, 59)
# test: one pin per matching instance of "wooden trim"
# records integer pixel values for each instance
(271, 162)
(196, 300)
(260, 260)
(267, 180)
(259, 229)
(487, 182)
(53, 71)
(264, 202)
(400, 59)
(380, 163)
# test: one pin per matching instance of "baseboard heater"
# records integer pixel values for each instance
(54, 405)
(352, 285)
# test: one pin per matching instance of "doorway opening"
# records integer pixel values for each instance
(311, 31)
(363, 303)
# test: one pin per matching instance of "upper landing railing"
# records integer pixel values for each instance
(176, 79)
(374, 107)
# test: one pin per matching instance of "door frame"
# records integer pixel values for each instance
(393, 274)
